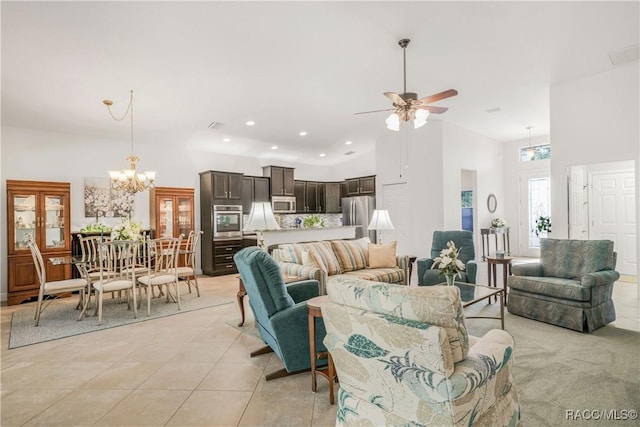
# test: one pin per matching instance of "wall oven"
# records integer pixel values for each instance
(227, 222)
(283, 204)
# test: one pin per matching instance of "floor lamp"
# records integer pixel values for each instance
(379, 222)
(260, 219)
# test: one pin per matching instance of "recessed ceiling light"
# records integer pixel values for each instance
(348, 143)
(250, 123)
(226, 139)
(274, 147)
(322, 154)
(303, 133)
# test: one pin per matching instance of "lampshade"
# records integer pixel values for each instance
(380, 220)
(420, 118)
(393, 122)
(261, 218)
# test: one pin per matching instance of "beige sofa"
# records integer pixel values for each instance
(321, 259)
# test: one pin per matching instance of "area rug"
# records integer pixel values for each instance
(59, 319)
(562, 376)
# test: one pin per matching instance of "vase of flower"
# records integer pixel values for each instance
(450, 278)
(448, 263)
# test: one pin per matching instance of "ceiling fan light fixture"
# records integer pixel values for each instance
(420, 118)
(393, 122)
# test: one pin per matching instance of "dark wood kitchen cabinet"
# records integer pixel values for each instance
(254, 189)
(308, 199)
(362, 186)
(332, 197)
(226, 186)
(282, 182)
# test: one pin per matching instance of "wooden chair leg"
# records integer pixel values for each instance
(281, 373)
(264, 350)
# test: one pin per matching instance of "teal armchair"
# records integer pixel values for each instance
(280, 311)
(464, 242)
(571, 286)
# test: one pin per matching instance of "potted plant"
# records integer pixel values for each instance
(543, 226)
(313, 221)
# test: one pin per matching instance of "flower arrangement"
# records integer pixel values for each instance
(543, 226)
(448, 262)
(498, 223)
(127, 230)
(97, 227)
(313, 221)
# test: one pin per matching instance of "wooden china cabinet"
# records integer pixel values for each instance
(40, 211)
(172, 213)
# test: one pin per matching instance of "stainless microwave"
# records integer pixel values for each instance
(283, 204)
(227, 222)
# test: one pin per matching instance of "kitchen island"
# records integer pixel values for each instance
(296, 235)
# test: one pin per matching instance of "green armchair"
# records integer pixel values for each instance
(571, 286)
(280, 310)
(464, 242)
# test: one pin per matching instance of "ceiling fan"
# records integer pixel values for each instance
(407, 106)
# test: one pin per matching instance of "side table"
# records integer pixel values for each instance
(242, 292)
(314, 307)
(492, 263)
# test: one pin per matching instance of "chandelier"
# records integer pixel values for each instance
(129, 179)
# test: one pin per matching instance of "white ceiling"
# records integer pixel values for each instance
(292, 66)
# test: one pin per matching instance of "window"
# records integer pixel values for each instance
(467, 199)
(466, 202)
(539, 152)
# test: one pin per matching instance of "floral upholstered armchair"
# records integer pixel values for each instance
(403, 357)
(571, 286)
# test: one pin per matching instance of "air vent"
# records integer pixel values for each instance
(348, 153)
(493, 110)
(628, 54)
(215, 125)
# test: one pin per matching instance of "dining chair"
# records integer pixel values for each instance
(50, 289)
(188, 271)
(117, 261)
(91, 257)
(162, 262)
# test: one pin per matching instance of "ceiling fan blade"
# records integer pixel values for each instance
(433, 109)
(375, 111)
(395, 98)
(438, 96)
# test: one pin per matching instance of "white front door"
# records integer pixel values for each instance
(613, 215)
(535, 201)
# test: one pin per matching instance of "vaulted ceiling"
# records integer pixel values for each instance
(294, 66)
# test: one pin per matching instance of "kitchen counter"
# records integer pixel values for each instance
(295, 235)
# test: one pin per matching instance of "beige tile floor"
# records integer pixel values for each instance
(186, 370)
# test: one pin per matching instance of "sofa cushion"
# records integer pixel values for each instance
(383, 255)
(326, 254)
(311, 258)
(352, 254)
(570, 259)
(389, 275)
(555, 287)
(435, 305)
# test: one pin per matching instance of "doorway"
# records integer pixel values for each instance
(535, 202)
(467, 199)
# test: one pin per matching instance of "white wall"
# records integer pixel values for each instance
(435, 155)
(593, 120)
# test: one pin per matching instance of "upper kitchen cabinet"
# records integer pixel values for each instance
(226, 186)
(171, 211)
(254, 189)
(282, 182)
(332, 197)
(38, 211)
(365, 185)
(308, 198)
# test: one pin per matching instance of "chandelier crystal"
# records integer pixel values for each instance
(129, 179)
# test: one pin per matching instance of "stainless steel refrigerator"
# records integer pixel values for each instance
(358, 210)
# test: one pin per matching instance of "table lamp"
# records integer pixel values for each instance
(380, 221)
(261, 218)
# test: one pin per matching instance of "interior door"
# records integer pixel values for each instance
(613, 217)
(535, 201)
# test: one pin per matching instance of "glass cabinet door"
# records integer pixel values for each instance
(166, 217)
(24, 220)
(185, 213)
(54, 222)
